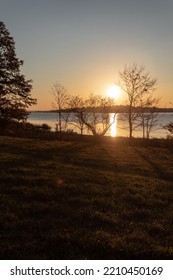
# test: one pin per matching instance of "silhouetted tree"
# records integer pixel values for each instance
(169, 127)
(61, 99)
(15, 95)
(93, 114)
(77, 108)
(137, 85)
(148, 115)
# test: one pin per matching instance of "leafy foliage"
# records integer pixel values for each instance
(15, 95)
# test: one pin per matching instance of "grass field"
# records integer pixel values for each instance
(85, 200)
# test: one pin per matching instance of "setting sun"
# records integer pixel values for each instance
(114, 91)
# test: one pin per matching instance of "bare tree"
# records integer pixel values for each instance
(169, 127)
(94, 114)
(77, 109)
(148, 115)
(61, 99)
(136, 83)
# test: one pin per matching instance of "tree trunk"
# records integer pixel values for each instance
(130, 126)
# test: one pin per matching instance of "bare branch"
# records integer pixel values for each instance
(138, 86)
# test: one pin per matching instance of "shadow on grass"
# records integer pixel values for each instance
(70, 200)
(160, 171)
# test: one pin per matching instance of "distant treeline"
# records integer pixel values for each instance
(116, 109)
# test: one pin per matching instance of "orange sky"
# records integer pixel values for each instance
(84, 44)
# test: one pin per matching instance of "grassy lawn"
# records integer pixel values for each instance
(83, 200)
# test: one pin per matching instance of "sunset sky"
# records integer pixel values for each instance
(84, 44)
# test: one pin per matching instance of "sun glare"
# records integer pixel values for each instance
(114, 91)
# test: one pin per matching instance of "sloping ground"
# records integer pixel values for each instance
(74, 200)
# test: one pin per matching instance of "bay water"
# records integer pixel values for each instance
(118, 128)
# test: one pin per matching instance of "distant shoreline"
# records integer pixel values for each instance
(115, 109)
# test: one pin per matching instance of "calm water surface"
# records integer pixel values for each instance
(118, 128)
